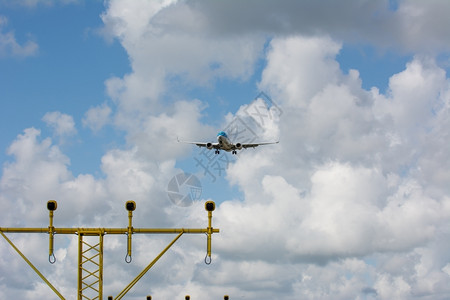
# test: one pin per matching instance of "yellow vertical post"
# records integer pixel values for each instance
(80, 266)
(130, 206)
(100, 268)
(50, 232)
(51, 206)
(210, 206)
(209, 233)
(130, 232)
(90, 265)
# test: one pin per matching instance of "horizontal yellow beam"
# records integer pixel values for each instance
(97, 231)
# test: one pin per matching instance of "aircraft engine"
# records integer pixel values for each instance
(239, 146)
(209, 146)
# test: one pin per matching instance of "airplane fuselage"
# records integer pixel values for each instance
(224, 143)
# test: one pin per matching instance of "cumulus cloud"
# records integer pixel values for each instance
(83, 201)
(418, 21)
(62, 124)
(352, 204)
(158, 54)
(345, 189)
(404, 26)
(10, 47)
(346, 181)
(97, 117)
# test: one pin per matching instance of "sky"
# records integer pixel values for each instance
(353, 203)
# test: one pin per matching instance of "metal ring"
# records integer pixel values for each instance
(52, 260)
(208, 262)
(128, 258)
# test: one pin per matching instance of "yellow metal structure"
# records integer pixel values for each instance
(90, 267)
(90, 253)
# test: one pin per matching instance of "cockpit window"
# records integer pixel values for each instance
(222, 133)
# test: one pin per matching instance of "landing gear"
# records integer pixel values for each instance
(234, 152)
(217, 152)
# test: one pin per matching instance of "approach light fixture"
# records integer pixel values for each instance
(130, 205)
(52, 205)
(210, 205)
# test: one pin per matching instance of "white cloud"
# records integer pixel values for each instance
(62, 124)
(83, 201)
(9, 45)
(411, 26)
(388, 287)
(337, 187)
(352, 204)
(334, 190)
(39, 166)
(311, 67)
(415, 94)
(422, 26)
(158, 54)
(156, 138)
(346, 212)
(97, 117)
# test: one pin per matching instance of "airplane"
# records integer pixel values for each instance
(223, 143)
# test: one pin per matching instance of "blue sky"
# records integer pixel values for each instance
(34, 85)
(352, 204)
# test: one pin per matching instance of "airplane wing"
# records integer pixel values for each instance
(245, 146)
(202, 144)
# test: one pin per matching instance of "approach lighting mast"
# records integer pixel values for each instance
(90, 255)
